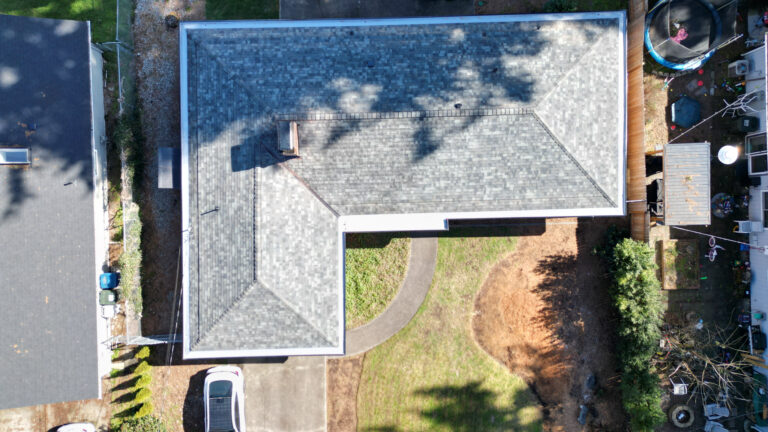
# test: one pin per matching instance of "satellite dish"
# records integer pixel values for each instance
(728, 154)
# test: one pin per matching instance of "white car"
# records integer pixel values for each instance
(77, 427)
(223, 397)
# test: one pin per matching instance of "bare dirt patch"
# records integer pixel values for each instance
(177, 390)
(342, 381)
(545, 313)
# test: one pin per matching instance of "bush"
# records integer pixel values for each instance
(148, 423)
(127, 137)
(556, 6)
(612, 237)
(146, 409)
(142, 381)
(143, 353)
(637, 297)
(142, 368)
(142, 395)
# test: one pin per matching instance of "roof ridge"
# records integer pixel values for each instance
(232, 76)
(293, 309)
(224, 313)
(281, 163)
(572, 158)
(570, 70)
(420, 114)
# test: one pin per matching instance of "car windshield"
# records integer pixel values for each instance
(221, 389)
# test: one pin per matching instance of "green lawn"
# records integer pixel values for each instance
(101, 13)
(432, 375)
(241, 9)
(375, 268)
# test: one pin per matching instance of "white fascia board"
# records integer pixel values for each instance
(623, 85)
(342, 242)
(185, 220)
(98, 212)
(206, 25)
(438, 221)
(277, 352)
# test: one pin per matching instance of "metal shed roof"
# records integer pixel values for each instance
(687, 184)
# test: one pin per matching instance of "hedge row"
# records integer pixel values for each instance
(636, 293)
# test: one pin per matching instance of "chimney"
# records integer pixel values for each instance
(288, 138)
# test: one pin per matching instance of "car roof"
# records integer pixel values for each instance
(220, 414)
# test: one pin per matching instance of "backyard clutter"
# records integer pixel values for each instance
(710, 338)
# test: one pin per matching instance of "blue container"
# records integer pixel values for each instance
(108, 281)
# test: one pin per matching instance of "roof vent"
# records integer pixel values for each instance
(14, 156)
(288, 138)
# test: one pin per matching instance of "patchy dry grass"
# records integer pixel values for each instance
(375, 268)
(656, 101)
(432, 375)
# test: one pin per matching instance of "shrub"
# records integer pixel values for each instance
(142, 368)
(142, 395)
(115, 373)
(555, 6)
(146, 409)
(115, 354)
(147, 423)
(143, 353)
(142, 381)
(637, 297)
(612, 237)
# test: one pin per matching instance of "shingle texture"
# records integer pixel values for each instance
(48, 342)
(393, 119)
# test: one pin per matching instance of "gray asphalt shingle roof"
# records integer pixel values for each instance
(48, 341)
(457, 115)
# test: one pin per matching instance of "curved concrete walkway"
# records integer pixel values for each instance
(418, 278)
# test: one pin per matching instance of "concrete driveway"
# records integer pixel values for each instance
(284, 397)
(44, 418)
(313, 9)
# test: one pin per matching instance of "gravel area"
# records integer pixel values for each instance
(157, 70)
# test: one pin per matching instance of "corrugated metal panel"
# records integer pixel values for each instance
(687, 184)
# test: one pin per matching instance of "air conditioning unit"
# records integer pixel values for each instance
(738, 68)
(746, 227)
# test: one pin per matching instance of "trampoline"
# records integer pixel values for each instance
(684, 34)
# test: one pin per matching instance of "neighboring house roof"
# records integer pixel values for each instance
(48, 343)
(687, 184)
(402, 124)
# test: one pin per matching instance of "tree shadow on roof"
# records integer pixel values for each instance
(463, 68)
(45, 105)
